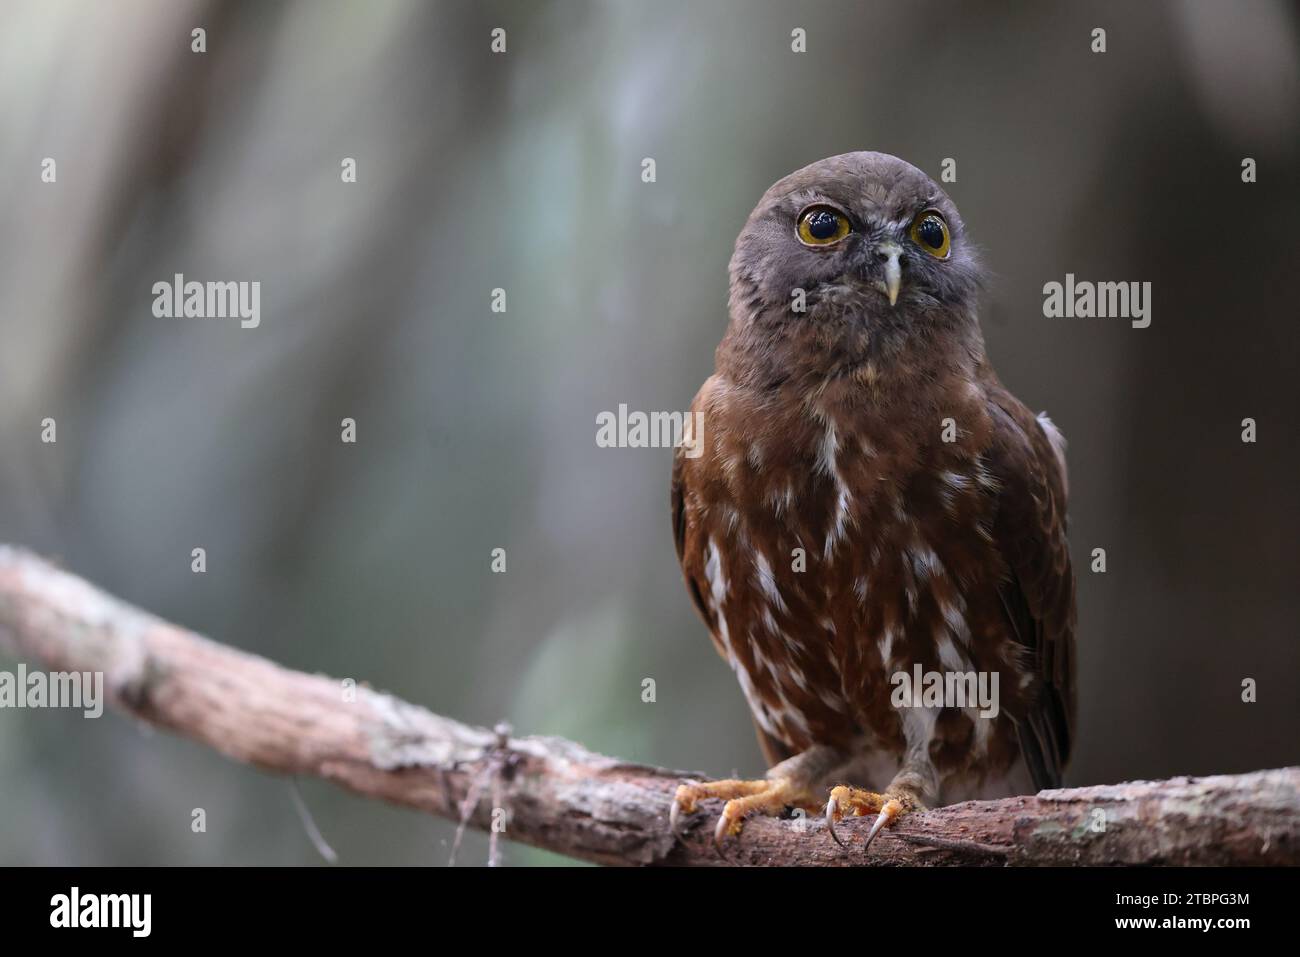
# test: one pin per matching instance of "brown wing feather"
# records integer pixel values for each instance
(1038, 596)
(690, 567)
(689, 556)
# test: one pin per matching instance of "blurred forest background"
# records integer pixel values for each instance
(477, 430)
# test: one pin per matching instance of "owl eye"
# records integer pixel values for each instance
(930, 232)
(822, 225)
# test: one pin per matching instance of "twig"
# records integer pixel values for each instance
(309, 825)
(563, 797)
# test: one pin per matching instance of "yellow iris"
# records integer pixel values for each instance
(822, 225)
(930, 232)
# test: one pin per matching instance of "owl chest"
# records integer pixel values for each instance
(843, 569)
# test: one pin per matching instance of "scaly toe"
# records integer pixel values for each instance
(766, 796)
(854, 802)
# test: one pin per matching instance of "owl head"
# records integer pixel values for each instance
(857, 252)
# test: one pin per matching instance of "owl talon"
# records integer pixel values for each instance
(891, 812)
(722, 829)
(675, 814)
(769, 796)
(888, 808)
(833, 815)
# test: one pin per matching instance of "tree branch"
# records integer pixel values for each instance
(557, 795)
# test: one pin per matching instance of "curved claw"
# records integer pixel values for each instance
(832, 815)
(683, 803)
(888, 813)
(720, 832)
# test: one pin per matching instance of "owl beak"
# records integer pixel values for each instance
(893, 280)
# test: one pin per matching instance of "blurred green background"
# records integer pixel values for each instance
(477, 429)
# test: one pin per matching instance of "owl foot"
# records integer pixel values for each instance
(770, 796)
(853, 802)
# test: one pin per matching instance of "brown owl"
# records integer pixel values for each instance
(872, 526)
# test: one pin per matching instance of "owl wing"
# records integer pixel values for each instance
(1027, 458)
(690, 554)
